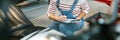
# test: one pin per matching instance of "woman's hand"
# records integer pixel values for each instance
(62, 18)
(57, 18)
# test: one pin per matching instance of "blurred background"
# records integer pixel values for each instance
(26, 16)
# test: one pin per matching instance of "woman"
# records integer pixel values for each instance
(69, 9)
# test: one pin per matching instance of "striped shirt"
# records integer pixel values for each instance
(82, 5)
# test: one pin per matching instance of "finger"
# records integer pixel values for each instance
(61, 19)
(64, 16)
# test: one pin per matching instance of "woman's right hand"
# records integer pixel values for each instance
(62, 18)
(57, 18)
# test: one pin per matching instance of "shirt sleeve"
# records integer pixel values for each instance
(84, 6)
(51, 7)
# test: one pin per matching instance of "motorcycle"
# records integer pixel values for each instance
(13, 20)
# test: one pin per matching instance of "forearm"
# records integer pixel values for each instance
(53, 17)
(81, 15)
(51, 10)
(84, 7)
